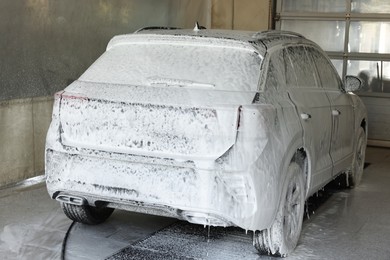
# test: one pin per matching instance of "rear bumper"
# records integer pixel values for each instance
(209, 197)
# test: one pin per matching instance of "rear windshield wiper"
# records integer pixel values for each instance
(178, 82)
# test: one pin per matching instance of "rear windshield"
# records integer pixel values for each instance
(178, 65)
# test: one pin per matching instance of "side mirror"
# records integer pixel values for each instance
(352, 83)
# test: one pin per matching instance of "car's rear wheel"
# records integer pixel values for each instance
(86, 214)
(282, 238)
(358, 161)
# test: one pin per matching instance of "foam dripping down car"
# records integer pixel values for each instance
(216, 127)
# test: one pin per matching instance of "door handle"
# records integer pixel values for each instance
(305, 116)
(335, 112)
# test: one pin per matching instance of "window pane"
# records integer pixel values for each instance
(303, 68)
(313, 6)
(371, 37)
(338, 64)
(178, 64)
(276, 75)
(375, 74)
(370, 6)
(328, 34)
(291, 78)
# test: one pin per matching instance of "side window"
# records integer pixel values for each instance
(291, 78)
(303, 68)
(276, 76)
(280, 70)
(327, 74)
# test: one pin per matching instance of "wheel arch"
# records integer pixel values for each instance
(360, 112)
(363, 124)
(302, 158)
(300, 154)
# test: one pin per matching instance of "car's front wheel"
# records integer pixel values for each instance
(282, 238)
(86, 214)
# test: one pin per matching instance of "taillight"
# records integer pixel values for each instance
(58, 95)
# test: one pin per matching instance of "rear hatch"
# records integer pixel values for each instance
(174, 122)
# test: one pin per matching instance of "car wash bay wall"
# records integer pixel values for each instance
(47, 44)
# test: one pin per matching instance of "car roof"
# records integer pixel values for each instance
(262, 40)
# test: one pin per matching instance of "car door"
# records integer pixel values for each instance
(342, 112)
(314, 111)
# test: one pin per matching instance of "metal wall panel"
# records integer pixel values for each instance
(46, 44)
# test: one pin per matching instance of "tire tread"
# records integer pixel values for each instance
(86, 214)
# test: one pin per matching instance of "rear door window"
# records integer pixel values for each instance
(303, 68)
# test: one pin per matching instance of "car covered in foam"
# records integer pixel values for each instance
(216, 127)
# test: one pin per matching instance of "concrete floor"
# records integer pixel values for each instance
(342, 224)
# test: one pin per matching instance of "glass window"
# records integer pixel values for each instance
(327, 74)
(314, 6)
(370, 37)
(328, 34)
(375, 74)
(291, 78)
(370, 6)
(178, 64)
(304, 70)
(280, 70)
(276, 70)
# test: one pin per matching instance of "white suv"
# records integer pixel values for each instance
(220, 128)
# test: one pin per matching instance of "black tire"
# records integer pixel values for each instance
(86, 214)
(358, 160)
(282, 238)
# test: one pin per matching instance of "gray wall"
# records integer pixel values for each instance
(45, 45)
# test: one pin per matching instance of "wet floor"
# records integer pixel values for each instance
(342, 224)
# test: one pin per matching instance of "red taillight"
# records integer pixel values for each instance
(58, 95)
(70, 96)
